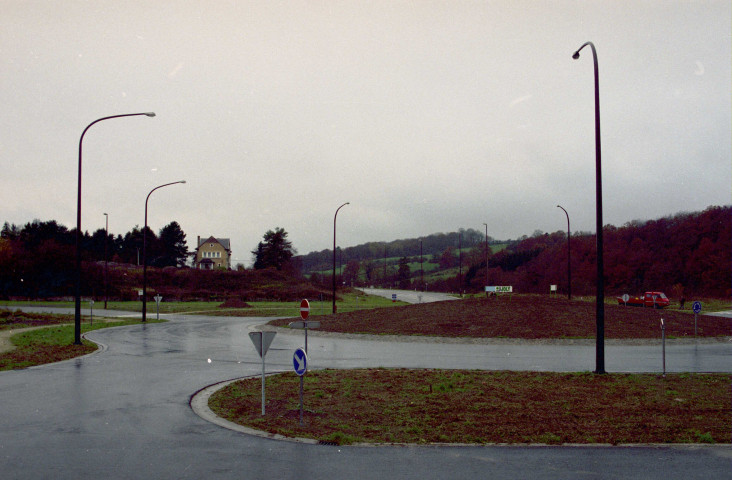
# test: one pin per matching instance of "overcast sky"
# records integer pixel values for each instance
(426, 116)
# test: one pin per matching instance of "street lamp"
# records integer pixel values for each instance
(77, 294)
(600, 296)
(569, 256)
(421, 268)
(106, 265)
(486, 254)
(460, 263)
(334, 254)
(144, 255)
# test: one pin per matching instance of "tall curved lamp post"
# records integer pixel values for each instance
(106, 264)
(77, 293)
(334, 254)
(486, 254)
(600, 296)
(569, 257)
(144, 253)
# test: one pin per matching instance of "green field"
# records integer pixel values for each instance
(51, 344)
(348, 302)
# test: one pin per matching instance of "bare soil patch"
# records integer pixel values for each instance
(434, 406)
(234, 303)
(520, 316)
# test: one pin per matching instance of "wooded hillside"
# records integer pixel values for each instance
(687, 253)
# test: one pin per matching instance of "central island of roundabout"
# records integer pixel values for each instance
(545, 401)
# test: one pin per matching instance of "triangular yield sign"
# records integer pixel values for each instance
(262, 341)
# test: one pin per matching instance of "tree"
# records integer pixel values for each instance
(275, 251)
(173, 247)
(350, 274)
(10, 231)
(448, 259)
(403, 274)
(131, 246)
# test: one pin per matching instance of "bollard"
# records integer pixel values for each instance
(663, 348)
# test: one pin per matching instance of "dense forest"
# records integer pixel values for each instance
(38, 259)
(687, 253)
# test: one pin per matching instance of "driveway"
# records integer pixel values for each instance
(124, 412)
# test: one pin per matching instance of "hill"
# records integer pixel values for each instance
(683, 254)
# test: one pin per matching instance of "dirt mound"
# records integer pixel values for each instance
(235, 303)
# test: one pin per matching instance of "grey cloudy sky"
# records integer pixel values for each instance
(426, 116)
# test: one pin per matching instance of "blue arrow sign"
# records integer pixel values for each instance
(696, 307)
(300, 361)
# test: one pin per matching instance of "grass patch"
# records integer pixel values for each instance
(52, 344)
(433, 406)
(10, 319)
(348, 302)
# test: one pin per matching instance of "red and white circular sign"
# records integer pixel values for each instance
(304, 309)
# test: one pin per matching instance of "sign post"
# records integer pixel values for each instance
(304, 314)
(262, 341)
(663, 341)
(697, 308)
(300, 365)
(157, 305)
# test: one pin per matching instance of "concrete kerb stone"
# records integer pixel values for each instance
(492, 341)
(199, 404)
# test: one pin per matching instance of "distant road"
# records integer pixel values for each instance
(409, 296)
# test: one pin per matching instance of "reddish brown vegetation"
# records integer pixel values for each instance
(41, 354)
(426, 406)
(520, 316)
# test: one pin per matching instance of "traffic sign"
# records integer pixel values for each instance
(304, 309)
(696, 307)
(300, 362)
(262, 341)
(299, 324)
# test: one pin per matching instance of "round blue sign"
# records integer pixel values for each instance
(696, 307)
(300, 361)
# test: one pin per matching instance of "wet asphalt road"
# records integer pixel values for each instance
(124, 412)
(409, 296)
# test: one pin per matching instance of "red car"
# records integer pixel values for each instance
(649, 299)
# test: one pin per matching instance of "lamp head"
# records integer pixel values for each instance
(576, 55)
(182, 181)
(149, 114)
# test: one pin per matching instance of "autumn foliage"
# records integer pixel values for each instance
(687, 254)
